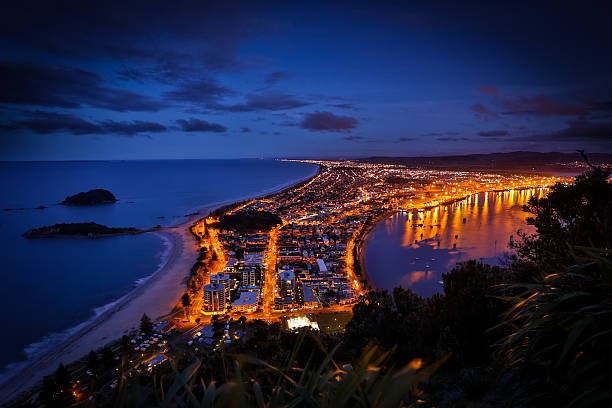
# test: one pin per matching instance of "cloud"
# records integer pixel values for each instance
(131, 74)
(199, 91)
(212, 33)
(353, 138)
(40, 84)
(488, 90)
(441, 134)
(347, 106)
(130, 128)
(327, 121)
(245, 129)
(482, 112)
(600, 110)
(269, 101)
(49, 122)
(405, 139)
(602, 106)
(540, 106)
(275, 77)
(580, 130)
(198, 125)
(453, 139)
(493, 133)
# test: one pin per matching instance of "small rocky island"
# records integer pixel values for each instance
(78, 230)
(91, 197)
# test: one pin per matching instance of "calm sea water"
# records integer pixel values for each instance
(50, 286)
(414, 250)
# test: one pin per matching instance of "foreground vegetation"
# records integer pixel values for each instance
(535, 332)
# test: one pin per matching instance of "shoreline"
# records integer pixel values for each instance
(363, 247)
(156, 296)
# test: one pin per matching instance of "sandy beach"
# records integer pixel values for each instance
(156, 297)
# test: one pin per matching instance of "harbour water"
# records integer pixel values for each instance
(50, 287)
(414, 249)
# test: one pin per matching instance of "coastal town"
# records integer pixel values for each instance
(308, 259)
(295, 257)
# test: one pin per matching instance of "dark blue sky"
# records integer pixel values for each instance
(201, 79)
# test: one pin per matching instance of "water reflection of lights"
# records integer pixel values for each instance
(489, 222)
(411, 278)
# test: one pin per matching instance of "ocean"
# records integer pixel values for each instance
(51, 287)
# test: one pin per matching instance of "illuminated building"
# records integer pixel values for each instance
(310, 299)
(247, 303)
(222, 279)
(251, 276)
(214, 298)
(286, 284)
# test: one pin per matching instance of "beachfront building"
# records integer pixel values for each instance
(214, 298)
(222, 279)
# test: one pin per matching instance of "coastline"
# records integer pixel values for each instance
(156, 296)
(363, 247)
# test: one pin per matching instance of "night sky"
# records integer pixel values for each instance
(196, 79)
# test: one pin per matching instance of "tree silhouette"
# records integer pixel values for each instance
(108, 358)
(146, 325)
(186, 301)
(57, 390)
(93, 362)
(576, 214)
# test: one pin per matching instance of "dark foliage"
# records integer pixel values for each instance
(576, 214)
(57, 391)
(559, 335)
(429, 328)
(146, 325)
(249, 221)
(93, 362)
(558, 330)
(186, 300)
(108, 358)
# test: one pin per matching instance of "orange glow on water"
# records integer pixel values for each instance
(476, 227)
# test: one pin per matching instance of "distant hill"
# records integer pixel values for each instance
(515, 161)
(91, 197)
